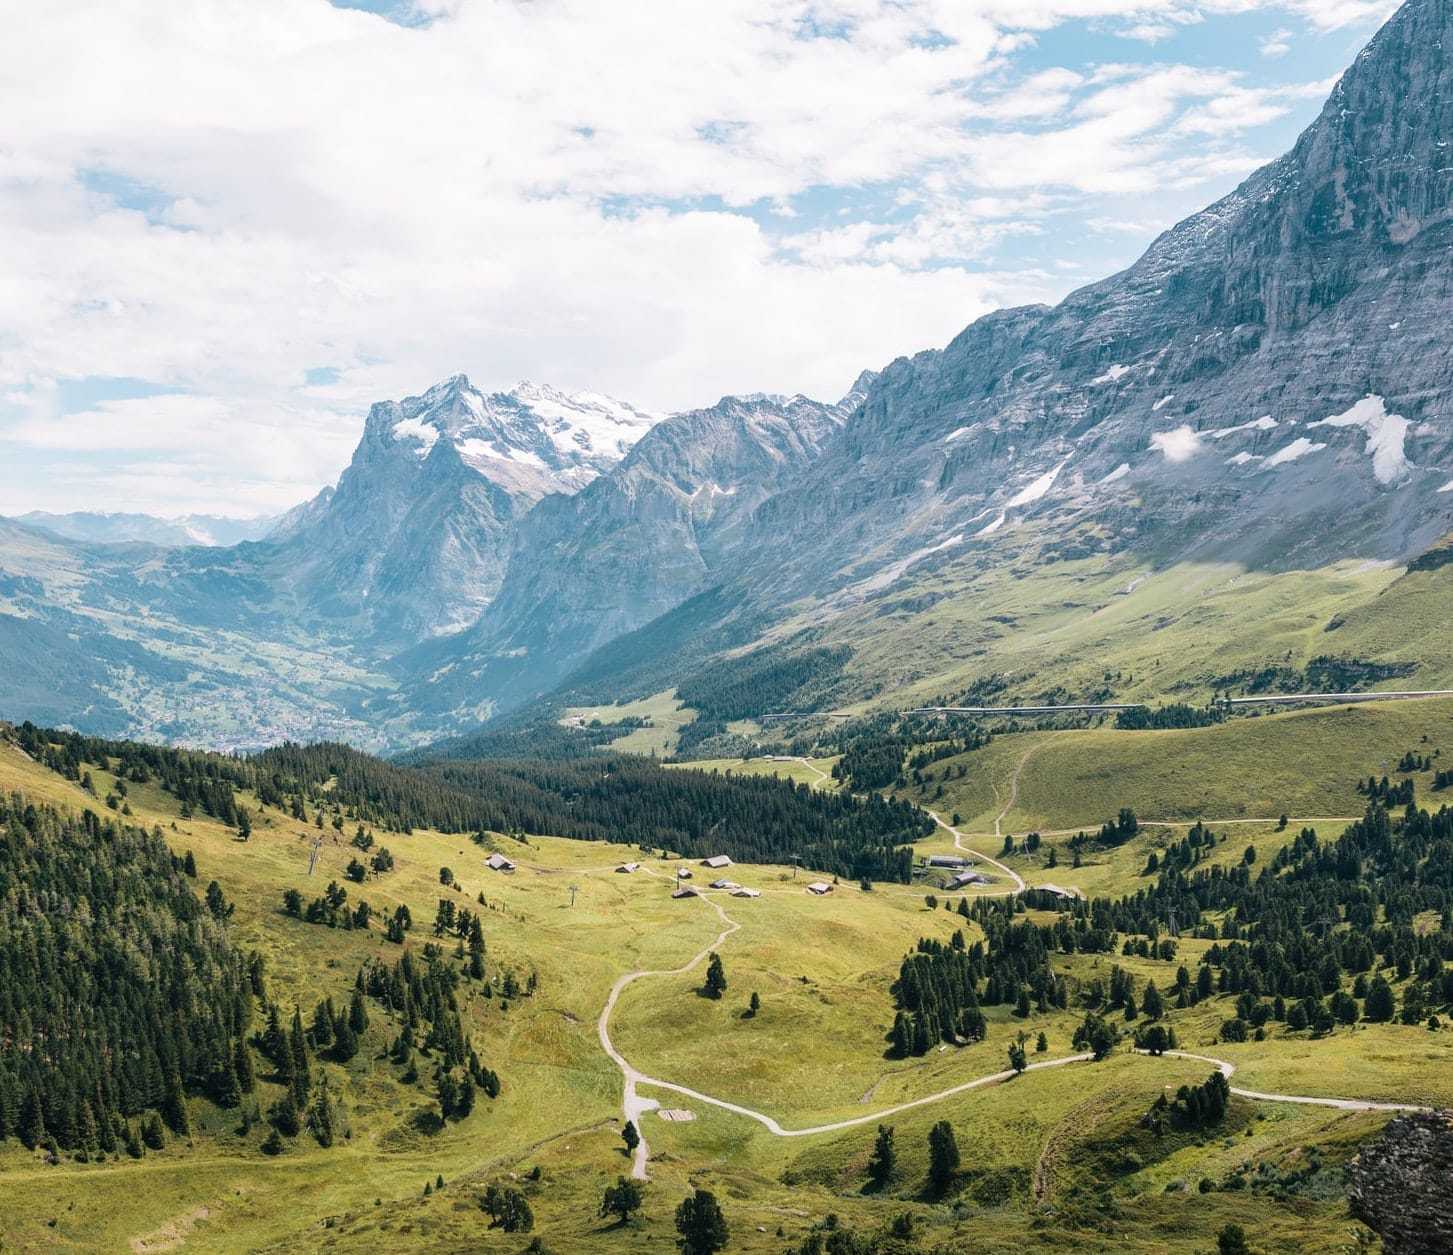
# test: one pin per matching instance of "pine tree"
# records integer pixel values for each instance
(31, 1126)
(883, 1163)
(1380, 1005)
(321, 1031)
(298, 1056)
(174, 1106)
(622, 1198)
(285, 1115)
(943, 1156)
(242, 1066)
(345, 1041)
(700, 1223)
(716, 982)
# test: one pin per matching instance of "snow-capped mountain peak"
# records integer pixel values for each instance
(532, 439)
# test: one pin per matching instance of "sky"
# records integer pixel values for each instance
(228, 226)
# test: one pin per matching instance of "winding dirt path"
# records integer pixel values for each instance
(812, 767)
(634, 1105)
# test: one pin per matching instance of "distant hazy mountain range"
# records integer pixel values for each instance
(1211, 467)
(118, 529)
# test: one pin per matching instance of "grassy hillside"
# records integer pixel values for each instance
(1302, 764)
(1116, 627)
(815, 1053)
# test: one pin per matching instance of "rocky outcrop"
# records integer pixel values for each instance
(1401, 1185)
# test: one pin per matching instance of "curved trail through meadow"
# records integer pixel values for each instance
(634, 1105)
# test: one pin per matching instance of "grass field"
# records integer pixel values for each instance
(665, 715)
(816, 772)
(1034, 1176)
(1304, 764)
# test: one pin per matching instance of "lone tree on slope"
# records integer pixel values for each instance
(622, 1198)
(943, 1156)
(716, 981)
(700, 1223)
(883, 1163)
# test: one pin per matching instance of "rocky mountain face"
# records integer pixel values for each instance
(1267, 384)
(632, 545)
(414, 540)
(289, 635)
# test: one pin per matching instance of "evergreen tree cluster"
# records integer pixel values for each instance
(696, 813)
(1319, 936)
(1177, 715)
(753, 819)
(120, 993)
(394, 798)
(1184, 854)
(1384, 791)
(941, 988)
(877, 760)
(766, 681)
(199, 781)
(1195, 1108)
(422, 993)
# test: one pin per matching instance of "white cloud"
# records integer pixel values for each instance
(1277, 44)
(1180, 444)
(222, 195)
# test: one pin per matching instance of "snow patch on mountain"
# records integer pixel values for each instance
(1162, 403)
(1180, 444)
(1241, 459)
(1119, 473)
(588, 421)
(1299, 448)
(1115, 372)
(417, 429)
(1386, 435)
(1448, 487)
(992, 527)
(1265, 423)
(1036, 490)
(476, 452)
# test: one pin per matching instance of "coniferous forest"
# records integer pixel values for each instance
(119, 990)
(607, 798)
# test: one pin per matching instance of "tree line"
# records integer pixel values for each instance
(696, 813)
